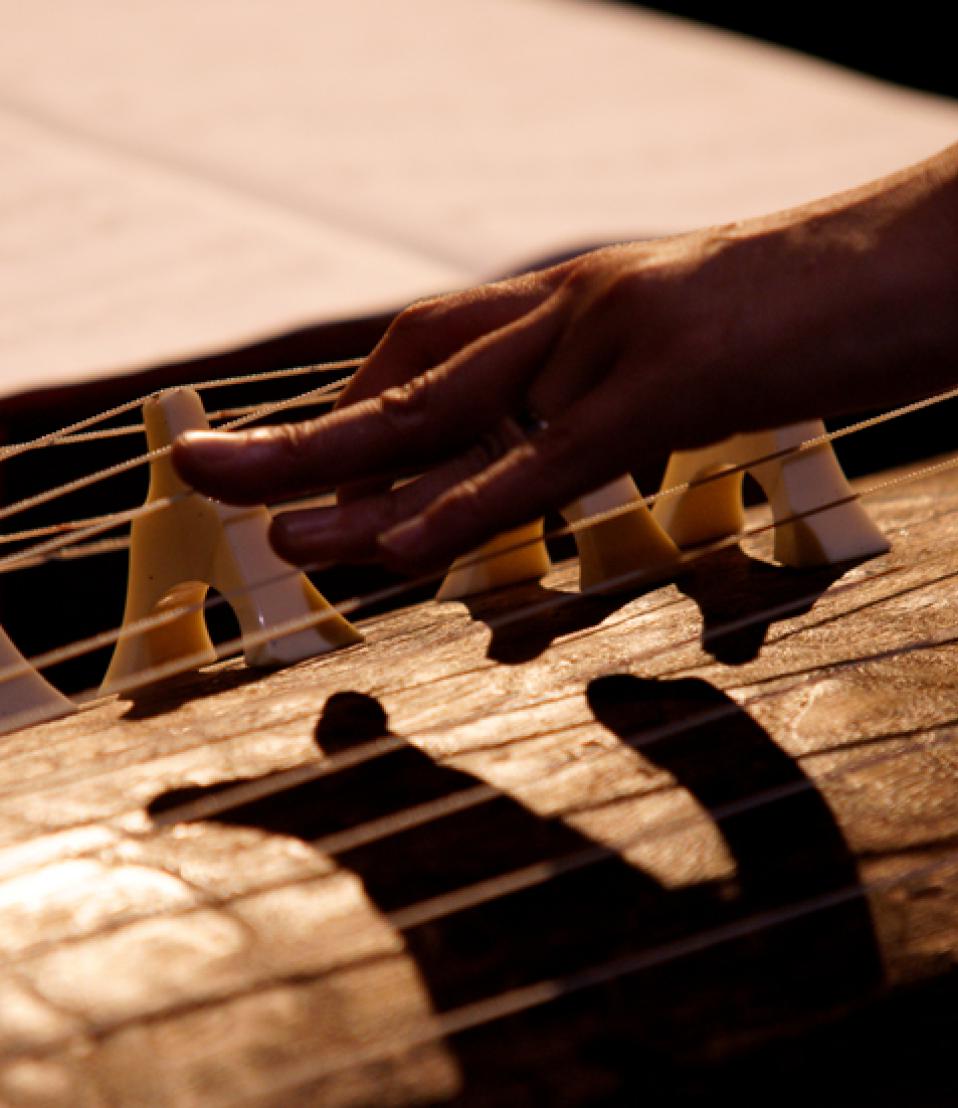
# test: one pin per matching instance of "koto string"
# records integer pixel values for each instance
(97, 525)
(66, 439)
(90, 698)
(77, 549)
(238, 796)
(143, 459)
(214, 416)
(537, 874)
(55, 529)
(572, 597)
(60, 780)
(523, 999)
(36, 555)
(191, 663)
(437, 908)
(532, 876)
(389, 593)
(527, 877)
(857, 765)
(272, 407)
(12, 450)
(348, 607)
(66, 779)
(463, 898)
(79, 524)
(302, 774)
(230, 799)
(57, 546)
(516, 1001)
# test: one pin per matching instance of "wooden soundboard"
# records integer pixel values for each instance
(541, 850)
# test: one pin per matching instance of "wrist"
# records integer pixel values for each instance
(852, 302)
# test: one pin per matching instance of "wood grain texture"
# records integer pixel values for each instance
(651, 847)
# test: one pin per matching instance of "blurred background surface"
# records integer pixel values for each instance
(191, 177)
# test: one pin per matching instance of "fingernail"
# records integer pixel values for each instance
(312, 526)
(204, 447)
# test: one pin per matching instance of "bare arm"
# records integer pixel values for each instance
(644, 347)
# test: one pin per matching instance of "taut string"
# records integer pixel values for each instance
(304, 774)
(436, 908)
(544, 992)
(13, 449)
(524, 999)
(142, 459)
(271, 407)
(217, 416)
(389, 593)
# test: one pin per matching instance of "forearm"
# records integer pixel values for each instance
(847, 304)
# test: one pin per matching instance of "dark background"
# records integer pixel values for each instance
(909, 44)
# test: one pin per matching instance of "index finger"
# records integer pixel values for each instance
(431, 417)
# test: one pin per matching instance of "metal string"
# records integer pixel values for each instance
(523, 999)
(432, 909)
(526, 998)
(346, 608)
(389, 593)
(302, 774)
(13, 449)
(444, 905)
(216, 416)
(132, 463)
(652, 498)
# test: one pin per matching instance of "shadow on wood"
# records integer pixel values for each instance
(678, 1005)
(526, 619)
(741, 597)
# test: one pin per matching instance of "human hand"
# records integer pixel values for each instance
(593, 347)
(624, 352)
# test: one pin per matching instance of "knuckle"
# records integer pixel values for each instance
(478, 505)
(598, 285)
(288, 441)
(412, 325)
(464, 507)
(579, 282)
(588, 270)
(407, 409)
